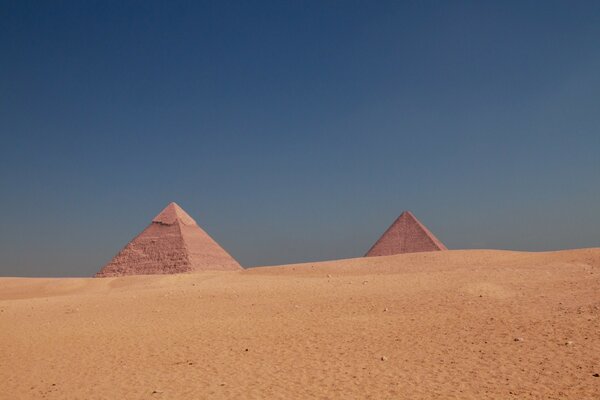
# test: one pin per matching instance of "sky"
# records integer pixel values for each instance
(296, 131)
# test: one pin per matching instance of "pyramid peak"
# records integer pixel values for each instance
(173, 213)
(172, 243)
(407, 215)
(406, 235)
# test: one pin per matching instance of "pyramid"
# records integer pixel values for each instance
(405, 235)
(173, 243)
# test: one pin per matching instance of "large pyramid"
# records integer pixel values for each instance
(172, 243)
(405, 235)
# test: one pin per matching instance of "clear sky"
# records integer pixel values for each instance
(296, 131)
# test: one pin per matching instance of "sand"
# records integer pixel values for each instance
(456, 324)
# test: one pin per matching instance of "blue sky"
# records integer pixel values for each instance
(296, 131)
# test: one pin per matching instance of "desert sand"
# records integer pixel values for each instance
(469, 324)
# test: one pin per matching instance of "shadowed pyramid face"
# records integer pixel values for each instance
(405, 235)
(172, 243)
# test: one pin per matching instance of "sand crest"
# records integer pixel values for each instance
(454, 324)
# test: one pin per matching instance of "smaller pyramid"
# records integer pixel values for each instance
(405, 235)
(173, 243)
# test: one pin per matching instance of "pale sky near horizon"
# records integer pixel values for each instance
(296, 131)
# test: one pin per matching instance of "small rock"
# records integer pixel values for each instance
(247, 350)
(383, 358)
(518, 339)
(596, 375)
(385, 309)
(569, 343)
(329, 275)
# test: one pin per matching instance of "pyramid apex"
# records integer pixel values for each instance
(173, 213)
(173, 243)
(406, 235)
(407, 214)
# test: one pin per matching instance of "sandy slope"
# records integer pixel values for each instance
(430, 325)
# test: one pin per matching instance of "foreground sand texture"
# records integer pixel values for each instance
(446, 325)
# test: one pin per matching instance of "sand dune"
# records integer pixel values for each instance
(458, 324)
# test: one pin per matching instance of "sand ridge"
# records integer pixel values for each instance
(422, 325)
